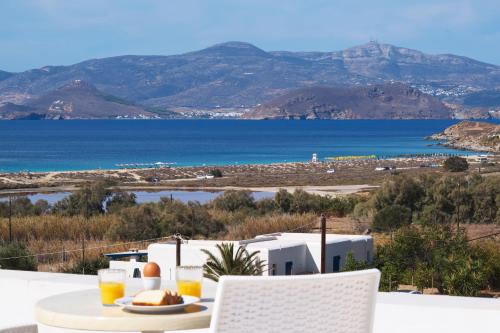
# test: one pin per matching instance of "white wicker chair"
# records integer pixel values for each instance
(339, 302)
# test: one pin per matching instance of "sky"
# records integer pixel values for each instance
(35, 33)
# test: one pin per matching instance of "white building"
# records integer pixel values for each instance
(283, 254)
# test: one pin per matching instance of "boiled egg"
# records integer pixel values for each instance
(151, 269)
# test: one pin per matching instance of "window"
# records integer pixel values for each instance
(336, 264)
(273, 269)
(289, 268)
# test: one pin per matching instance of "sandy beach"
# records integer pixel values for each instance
(349, 176)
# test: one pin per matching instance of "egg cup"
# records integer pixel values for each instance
(151, 283)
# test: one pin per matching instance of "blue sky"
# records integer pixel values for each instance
(34, 33)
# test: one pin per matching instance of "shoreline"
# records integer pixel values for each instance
(314, 177)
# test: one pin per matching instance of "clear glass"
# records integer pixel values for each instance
(111, 284)
(189, 280)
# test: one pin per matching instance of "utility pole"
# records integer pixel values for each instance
(458, 208)
(178, 242)
(83, 254)
(323, 243)
(10, 219)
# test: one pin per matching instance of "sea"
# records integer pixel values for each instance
(104, 144)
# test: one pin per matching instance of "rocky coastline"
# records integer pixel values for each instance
(471, 135)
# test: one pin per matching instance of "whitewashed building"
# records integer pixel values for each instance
(283, 253)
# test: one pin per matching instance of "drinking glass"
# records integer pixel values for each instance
(111, 284)
(189, 280)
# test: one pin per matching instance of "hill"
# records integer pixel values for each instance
(237, 74)
(389, 101)
(76, 100)
(471, 135)
(4, 75)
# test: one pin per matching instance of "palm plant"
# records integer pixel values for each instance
(229, 263)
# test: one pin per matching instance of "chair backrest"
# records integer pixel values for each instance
(337, 302)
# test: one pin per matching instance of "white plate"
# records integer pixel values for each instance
(126, 302)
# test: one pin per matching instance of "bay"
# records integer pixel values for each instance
(102, 144)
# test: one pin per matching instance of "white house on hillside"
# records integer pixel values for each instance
(283, 253)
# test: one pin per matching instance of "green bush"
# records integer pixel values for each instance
(17, 249)
(391, 218)
(456, 164)
(283, 199)
(217, 173)
(120, 200)
(192, 219)
(22, 206)
(351, 264)
(233, 200)
(87, 201)
(136, 223)
(88, 267)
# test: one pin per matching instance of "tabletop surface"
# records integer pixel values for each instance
(82, 310)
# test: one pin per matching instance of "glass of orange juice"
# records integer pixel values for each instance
(189, 280)
(111, 284)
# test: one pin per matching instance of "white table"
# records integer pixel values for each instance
(82, 310)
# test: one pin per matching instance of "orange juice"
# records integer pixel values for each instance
(110, 291)
(191, 288)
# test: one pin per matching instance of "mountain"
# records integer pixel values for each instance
(387, 101)
(4, 75)
(237, 74)
(75, 100)
(471, 135)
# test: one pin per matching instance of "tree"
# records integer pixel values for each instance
(391, 218)
(87, 201)
(234, 200)
(456, 164)
(351, 264)
(229, 263)
(136, 223)
(17, 249)
(188, 219)
(217, 173)
(283, 199)
(120, 200)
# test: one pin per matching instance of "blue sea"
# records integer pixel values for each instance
(101, 144)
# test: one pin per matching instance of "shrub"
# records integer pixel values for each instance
(233, 200)
(22, 206)
(284, 200)
(266, 206)
(16, 249)
(136, 223)
(456, 164)
(391, 218)
(351, 264)
(217, 173)
(120, 200)
(87, 201)
(88, 267)
(188, 219)
(253, 226)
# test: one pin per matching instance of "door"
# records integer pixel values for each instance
(336, 264)
(289, 268)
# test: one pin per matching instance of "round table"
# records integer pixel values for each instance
(82, 310)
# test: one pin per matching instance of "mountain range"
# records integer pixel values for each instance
(241, 75)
